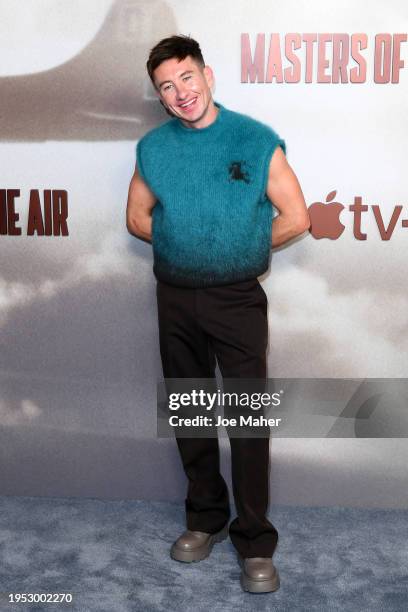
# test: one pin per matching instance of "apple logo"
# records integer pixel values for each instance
(324, 218)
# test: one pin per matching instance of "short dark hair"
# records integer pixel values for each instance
(173, 46)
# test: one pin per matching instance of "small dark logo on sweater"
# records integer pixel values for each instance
(237, 172)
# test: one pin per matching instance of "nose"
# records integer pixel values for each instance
(181, 92)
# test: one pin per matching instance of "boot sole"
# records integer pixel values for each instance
(198, 554)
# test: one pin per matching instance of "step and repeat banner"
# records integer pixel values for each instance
(80, 358)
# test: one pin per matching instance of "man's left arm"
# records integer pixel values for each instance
(285, 193)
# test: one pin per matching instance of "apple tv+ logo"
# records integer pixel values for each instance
(325, 219)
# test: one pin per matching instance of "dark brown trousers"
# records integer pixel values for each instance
(228, 323)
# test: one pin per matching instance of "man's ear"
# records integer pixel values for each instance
(209, 76)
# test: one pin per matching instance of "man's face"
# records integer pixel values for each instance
(184, 88)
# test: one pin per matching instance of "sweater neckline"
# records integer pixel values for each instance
(211, 129)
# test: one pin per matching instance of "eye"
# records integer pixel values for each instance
(167, 87)
(187, 77)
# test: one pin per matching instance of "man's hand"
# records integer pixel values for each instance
(139, 208)
(284, 191)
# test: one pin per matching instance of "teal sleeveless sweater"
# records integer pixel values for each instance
(212, 221)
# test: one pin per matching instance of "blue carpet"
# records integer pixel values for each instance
(113, 556)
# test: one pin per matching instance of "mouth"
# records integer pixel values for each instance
(188, 106)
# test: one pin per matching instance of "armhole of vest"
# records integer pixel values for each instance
(139, 163)
(271, 150)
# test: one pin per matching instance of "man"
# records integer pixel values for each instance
(202, 192)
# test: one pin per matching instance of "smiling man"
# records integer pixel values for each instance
(195, 108)
(202, 193)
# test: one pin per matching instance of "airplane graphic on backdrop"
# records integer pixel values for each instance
(103, 93)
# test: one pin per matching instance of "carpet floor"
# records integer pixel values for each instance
(113, 556)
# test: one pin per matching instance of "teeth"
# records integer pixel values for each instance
(188, 103)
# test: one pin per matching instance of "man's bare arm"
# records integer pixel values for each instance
(140, 204)
(284, 191)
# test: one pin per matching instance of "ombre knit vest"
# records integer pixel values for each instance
(212, 222)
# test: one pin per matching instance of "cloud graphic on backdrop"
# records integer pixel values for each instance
(315, 331)
(112, 259)
(18, 413)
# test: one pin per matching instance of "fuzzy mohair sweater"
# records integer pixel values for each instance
(212, 221)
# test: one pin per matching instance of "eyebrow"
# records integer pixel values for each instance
(181, 75)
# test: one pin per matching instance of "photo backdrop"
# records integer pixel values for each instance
(78, 331)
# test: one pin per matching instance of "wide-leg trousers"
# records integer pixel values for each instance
(228, 323)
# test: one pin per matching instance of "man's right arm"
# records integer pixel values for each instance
(140, 204)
